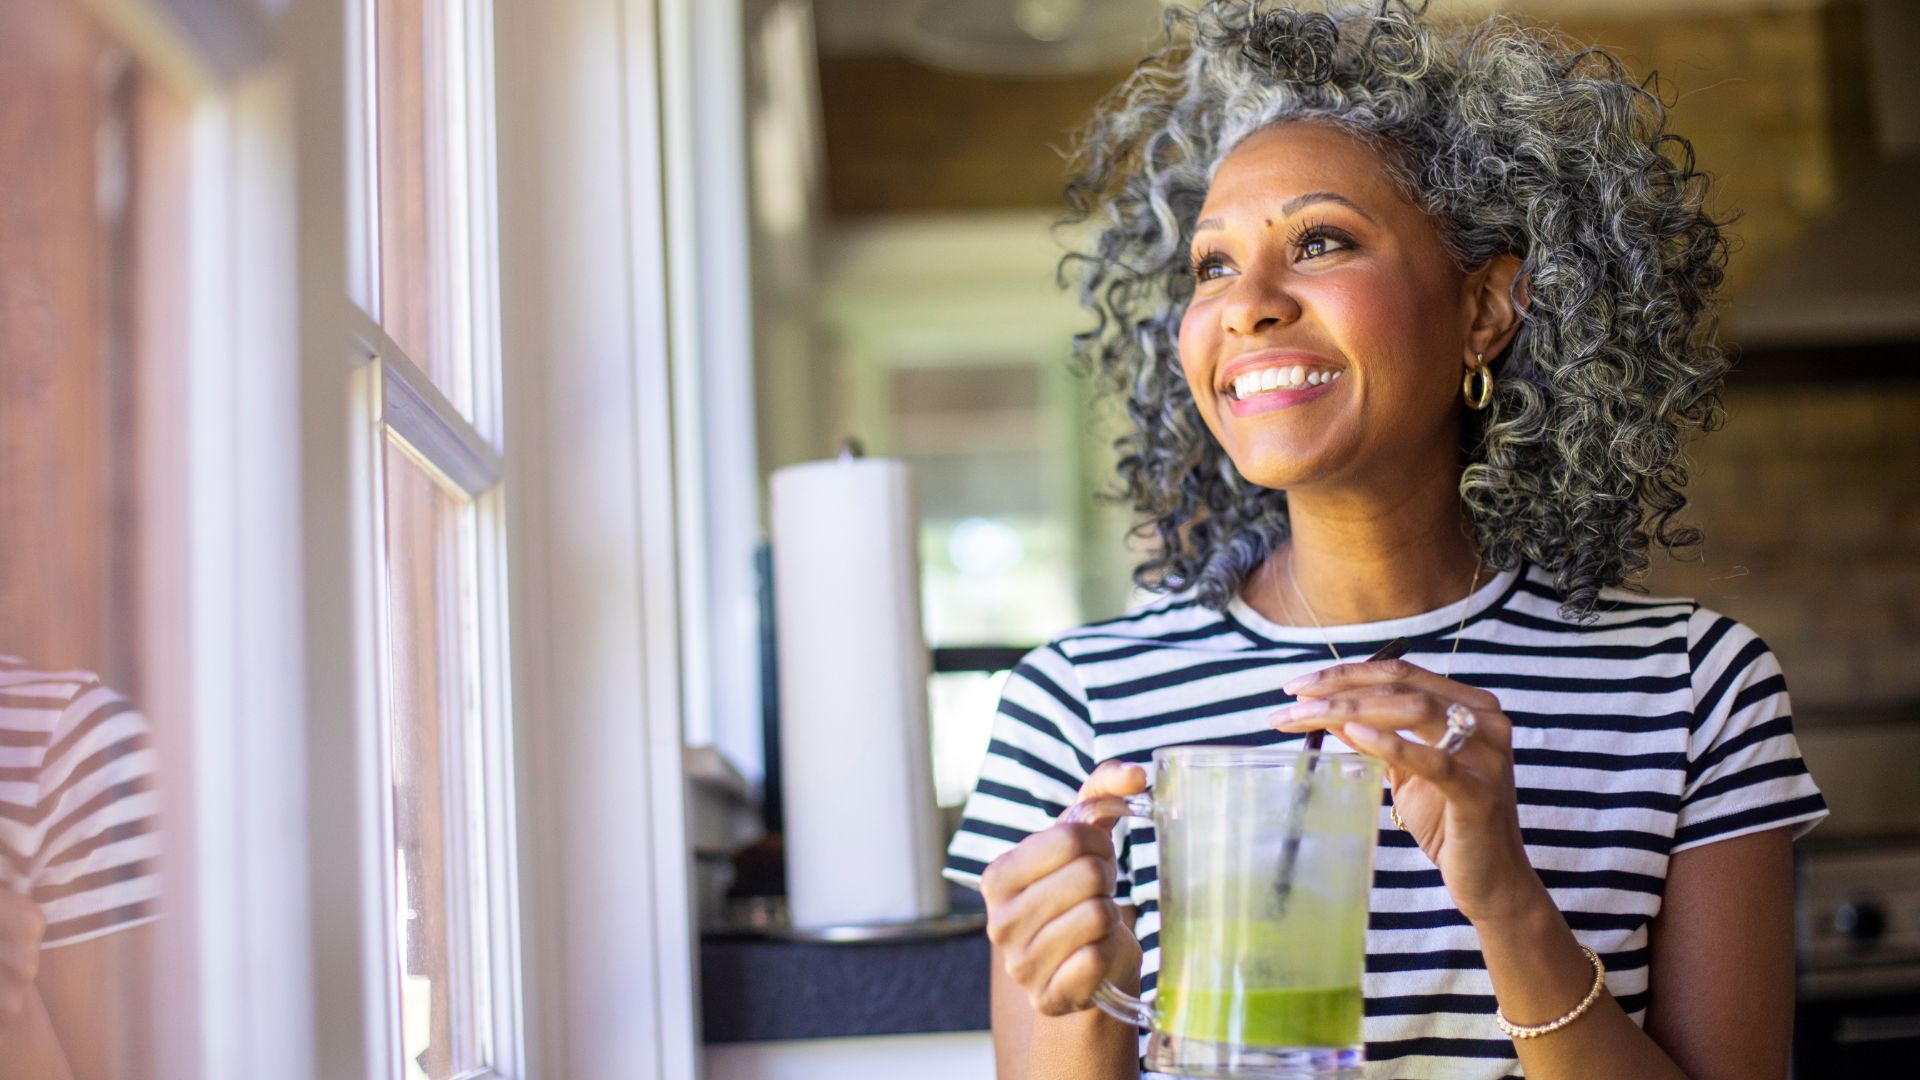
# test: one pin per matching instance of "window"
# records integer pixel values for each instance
(422, 281)
(312, 613)
(958, 365)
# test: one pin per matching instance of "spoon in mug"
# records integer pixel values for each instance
(1303, 789)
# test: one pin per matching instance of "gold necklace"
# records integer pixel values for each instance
(1467, 600)
(1393, 808)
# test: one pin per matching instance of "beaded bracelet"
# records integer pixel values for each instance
(1520, 1031)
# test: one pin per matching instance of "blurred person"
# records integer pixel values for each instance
(1411, 325)
(79, 881)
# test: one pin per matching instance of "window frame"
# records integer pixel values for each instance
(396, 400)
(399, 400)
(278, 895)
(598, 580)
(702, 83)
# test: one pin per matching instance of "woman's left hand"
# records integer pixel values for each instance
(1461, 807)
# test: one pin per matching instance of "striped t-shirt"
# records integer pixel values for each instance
(78, 805)
(1659, 727)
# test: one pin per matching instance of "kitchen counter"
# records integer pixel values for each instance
(755, 989)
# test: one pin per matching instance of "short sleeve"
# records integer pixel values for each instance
(1039, 754)
(97, 868)
(1744, 770)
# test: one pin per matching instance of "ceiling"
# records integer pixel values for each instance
(849, 27)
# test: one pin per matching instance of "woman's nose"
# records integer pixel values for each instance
(1259, 302)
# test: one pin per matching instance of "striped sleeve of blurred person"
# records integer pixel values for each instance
(78, 802)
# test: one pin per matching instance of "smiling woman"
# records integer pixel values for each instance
(1503, 150)
(1386, 292)
(1411, 325)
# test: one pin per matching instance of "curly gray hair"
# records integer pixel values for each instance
(1513, 142)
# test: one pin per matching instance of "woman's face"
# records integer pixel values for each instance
(1311, 268)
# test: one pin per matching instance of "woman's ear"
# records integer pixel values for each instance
(1495, 313)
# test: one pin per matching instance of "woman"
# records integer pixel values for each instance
(1411, 328)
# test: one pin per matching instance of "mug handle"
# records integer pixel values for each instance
(1105, 810)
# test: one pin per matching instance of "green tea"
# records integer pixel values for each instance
(1254, 982)
(1314, 1016)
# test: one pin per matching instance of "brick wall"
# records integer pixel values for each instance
(1810, 501)
(1775, 103)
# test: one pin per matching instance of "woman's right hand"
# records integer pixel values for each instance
(1050, 907)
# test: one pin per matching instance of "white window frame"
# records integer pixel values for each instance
(702, 88)
(398, 400)
(278, 893)
(598, 580)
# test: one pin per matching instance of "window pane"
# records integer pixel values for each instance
(428, 602)
(997, 554)
(418, 256)
(962, 704)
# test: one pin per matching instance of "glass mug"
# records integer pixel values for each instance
(1257, 979)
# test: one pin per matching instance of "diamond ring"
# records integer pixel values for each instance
(1460, 727)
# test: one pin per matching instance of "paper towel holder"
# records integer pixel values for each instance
(851, 449)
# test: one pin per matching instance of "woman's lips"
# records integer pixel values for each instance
(1279, 399)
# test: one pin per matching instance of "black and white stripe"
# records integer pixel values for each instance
(1660, 726)
(78, 805)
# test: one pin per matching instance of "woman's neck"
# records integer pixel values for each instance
(1366, 563)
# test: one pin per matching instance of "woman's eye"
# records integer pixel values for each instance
(1205, 267)
(1315, 239)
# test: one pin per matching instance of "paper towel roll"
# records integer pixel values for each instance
(862, 827)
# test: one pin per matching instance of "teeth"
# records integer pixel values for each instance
(1279, 378)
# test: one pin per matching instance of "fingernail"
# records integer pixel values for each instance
(1293, 685)
(1299, 712)
(1372, 738)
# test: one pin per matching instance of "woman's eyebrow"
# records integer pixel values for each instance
(1293, 206)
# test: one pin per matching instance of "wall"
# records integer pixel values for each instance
(1773, 99)
(1774, 103)
(1810, 500)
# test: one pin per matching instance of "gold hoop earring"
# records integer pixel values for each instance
(1477, 398)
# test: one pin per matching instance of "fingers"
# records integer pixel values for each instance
(1102, 799)
(1456, 779)
(1040, 855)
(1015, 917)
(1411, 676)
(1374, 717)
(1389, 707)
(1041, 928)
(1114, 778)
(1050, 906)
(1054, 964)
(22, 925)
(1422, 713)
(1072, 986)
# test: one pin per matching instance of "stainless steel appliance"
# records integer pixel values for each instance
(1857, 930)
